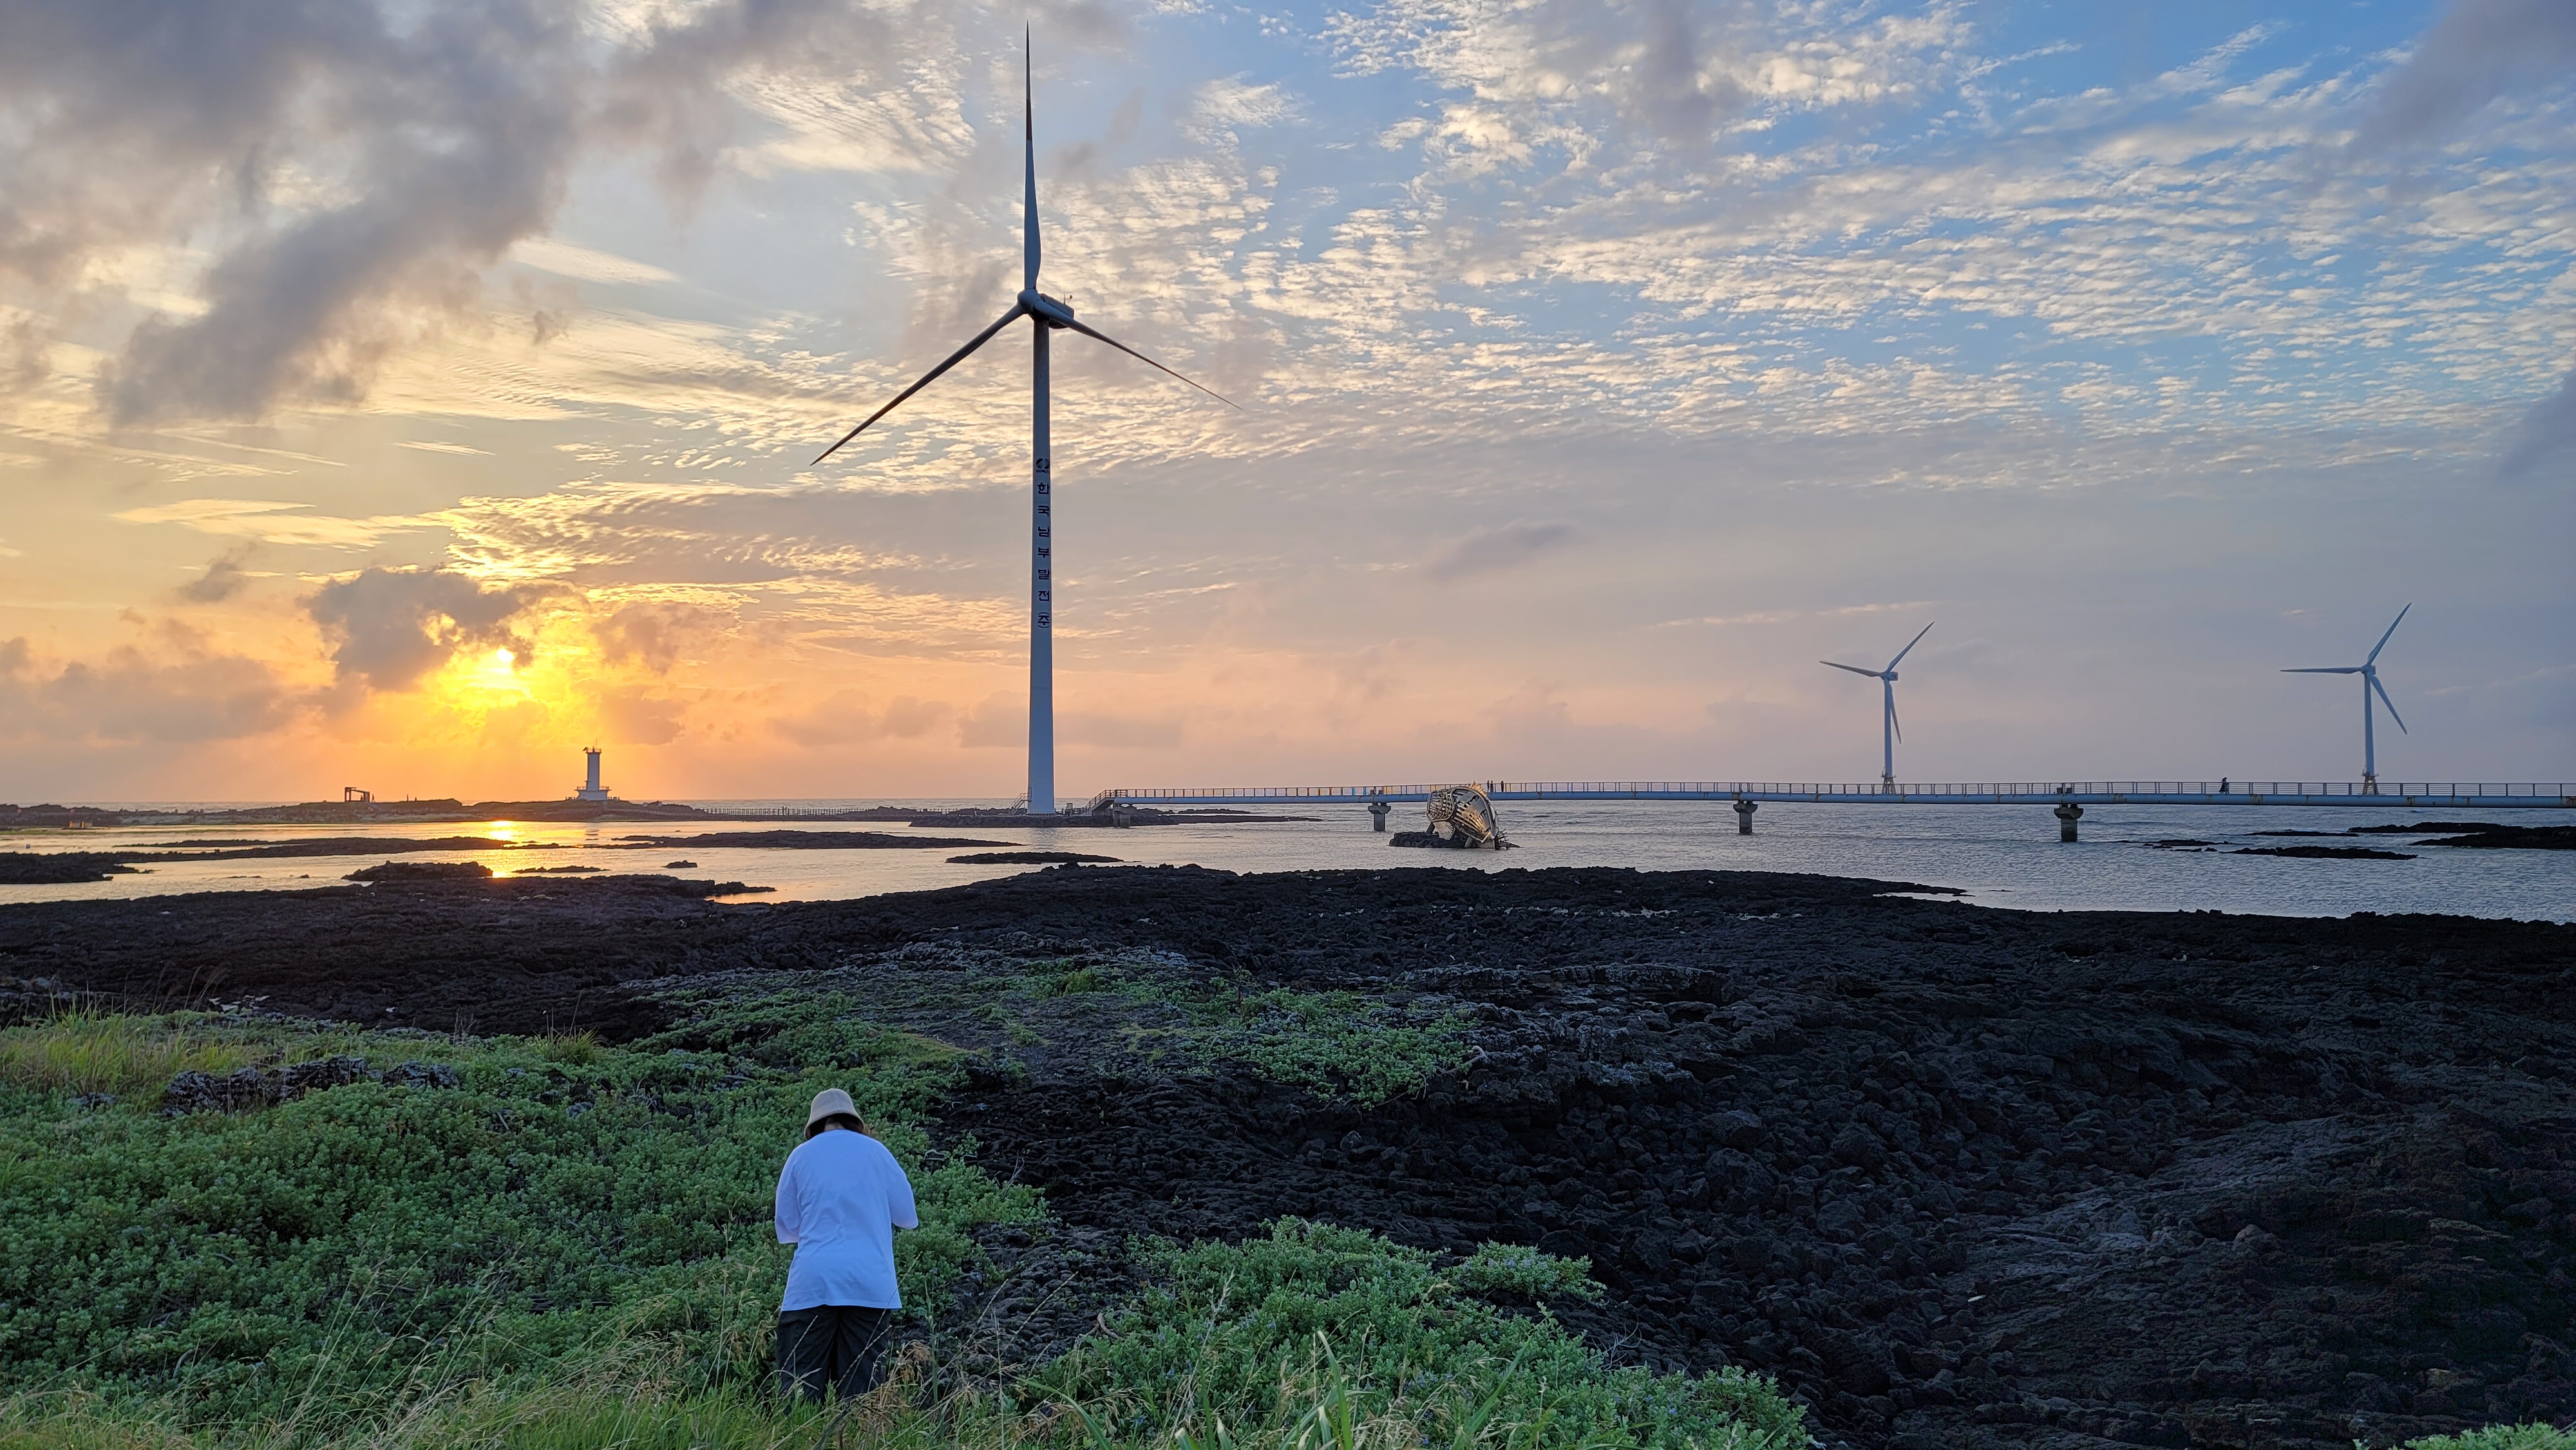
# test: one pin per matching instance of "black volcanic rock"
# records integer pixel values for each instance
(1958, 1176)
(423, 871)
(56, 868)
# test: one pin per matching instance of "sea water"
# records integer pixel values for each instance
(2006, 856)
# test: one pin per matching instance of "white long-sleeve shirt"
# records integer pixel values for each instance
(840, 1199)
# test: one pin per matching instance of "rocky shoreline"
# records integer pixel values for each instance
(1957, 1176)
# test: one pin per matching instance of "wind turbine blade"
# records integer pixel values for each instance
(1855, 669)
(927, 379)
(1892, 720)
(2391, 704)
(1099, 336)
(2323, 670)
(1910, 644)
(2383, 643)
(1029, 203)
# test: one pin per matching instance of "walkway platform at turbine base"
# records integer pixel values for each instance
(2405, 796)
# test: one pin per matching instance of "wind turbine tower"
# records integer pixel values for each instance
(2368, 669)
(1046, 315)
(1889, 732)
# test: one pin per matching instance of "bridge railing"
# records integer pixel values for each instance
(2229, 789)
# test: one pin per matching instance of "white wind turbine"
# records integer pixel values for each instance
(1889, 731)
(1047, 315)
(2368, 669)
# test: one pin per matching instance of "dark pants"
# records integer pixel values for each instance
(832, 1346)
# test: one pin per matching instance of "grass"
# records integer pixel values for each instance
(1312, 1338)
(1333, 1042)
(94, 1052)
(1159, 1013)
(1316, 1333)
(571, 1248)
(556, 1201)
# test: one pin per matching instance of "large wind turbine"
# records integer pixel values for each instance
(1889, 731)
(2368, 669)
(1046, 315)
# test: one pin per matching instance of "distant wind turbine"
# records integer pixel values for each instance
(1048, 315)
(1889, 731)
(2368, 669)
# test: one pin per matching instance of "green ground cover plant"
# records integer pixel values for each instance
(2500, 1437)
(1515, 1271)
(1313, 1338)
(568, 1245)
(1336, 1042)
(1307, 1335)
(1156, 1008)
(561, 1194)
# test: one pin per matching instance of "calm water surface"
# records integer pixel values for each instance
(1999, 855)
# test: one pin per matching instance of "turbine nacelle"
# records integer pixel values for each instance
(1053, 311)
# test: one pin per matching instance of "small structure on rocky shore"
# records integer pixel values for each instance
(1462, 818)
(591, 789)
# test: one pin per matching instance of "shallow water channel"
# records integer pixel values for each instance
(1997, 855)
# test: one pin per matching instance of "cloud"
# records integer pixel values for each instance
(655, 632)
(996, 720)
(356, 164)
(1497, 550)
(224, 577)
(177, 693)
(639, 717)
(270, 521)
(2547, 431)
(2478, 51)
(847, 718)
(1119, 732)
(1002, 720)
(548, 254)
(1580, 79)
(1221, 108)
(390, 627)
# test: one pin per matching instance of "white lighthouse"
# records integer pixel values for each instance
(591, 789)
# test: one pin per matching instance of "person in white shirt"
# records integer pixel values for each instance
(840, 1199)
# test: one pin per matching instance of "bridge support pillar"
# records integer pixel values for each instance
(1377, 815)
(1744, 816)
(2067, 815)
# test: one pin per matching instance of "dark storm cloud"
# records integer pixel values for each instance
(391, 627)
(2548, 433)
(421, 142)
(2479, 50)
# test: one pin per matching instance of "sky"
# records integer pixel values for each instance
(408, 395)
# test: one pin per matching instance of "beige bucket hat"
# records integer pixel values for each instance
(828, 1102)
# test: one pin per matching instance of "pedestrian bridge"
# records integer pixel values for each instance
(2384, 795)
